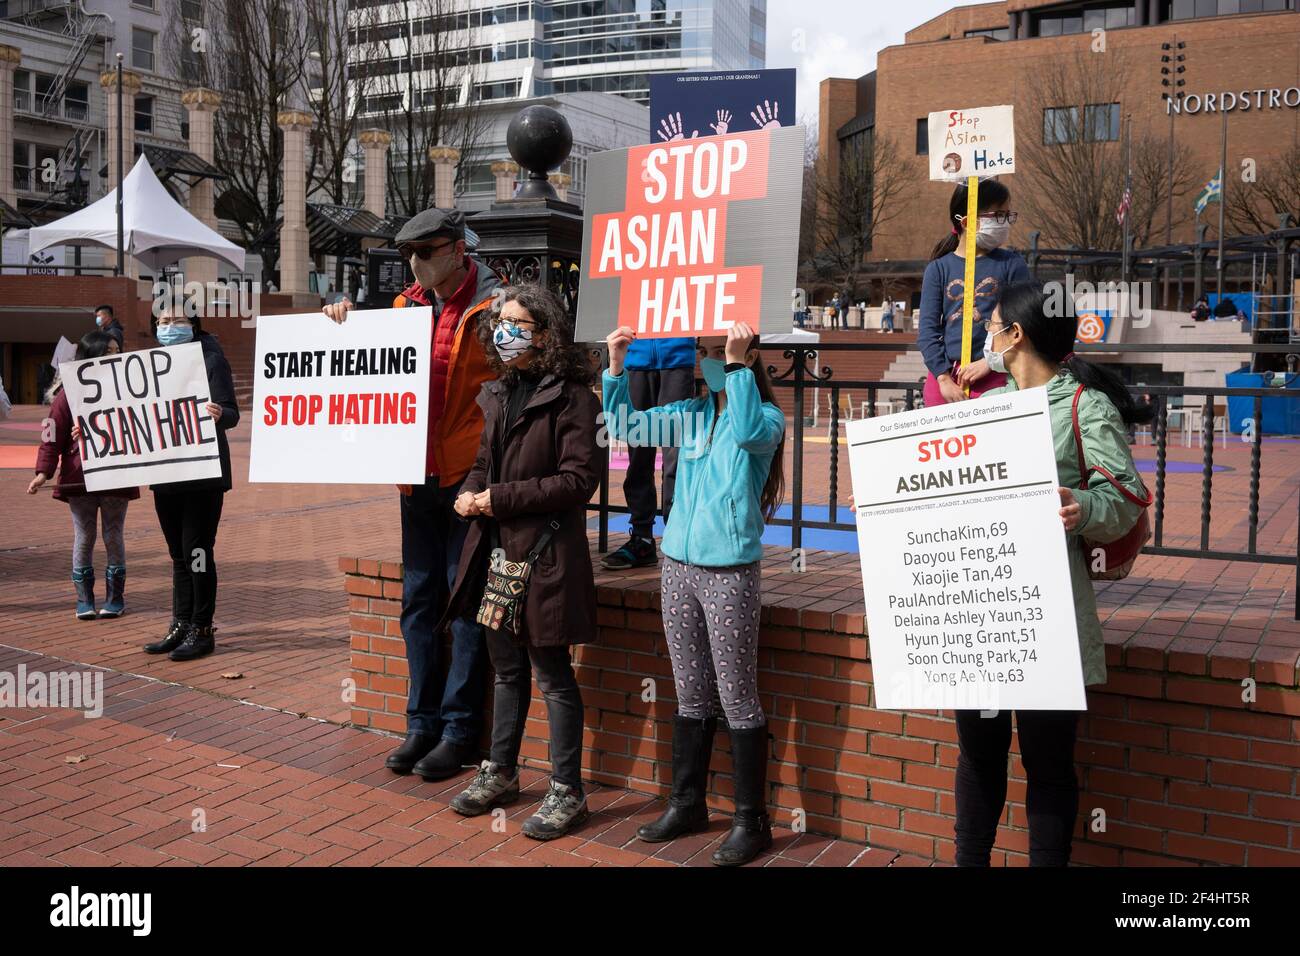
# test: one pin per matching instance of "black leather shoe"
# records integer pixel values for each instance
(199, 642)
(445, 760)
(686, 811)
(415, 746)
(170, 641)
(751, 830)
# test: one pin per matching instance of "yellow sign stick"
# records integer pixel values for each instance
(968, 288)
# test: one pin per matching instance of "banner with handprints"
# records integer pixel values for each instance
(689, 105)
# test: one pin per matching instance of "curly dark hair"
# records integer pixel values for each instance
(559, 355)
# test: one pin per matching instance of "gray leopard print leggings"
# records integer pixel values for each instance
(711, 622)
(111, 512)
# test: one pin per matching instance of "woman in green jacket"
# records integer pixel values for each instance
(1036, 350)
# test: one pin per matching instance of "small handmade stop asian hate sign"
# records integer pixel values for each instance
(343, 403)
(964, 561)
(688, 237)
(143, 417)
(975, 142)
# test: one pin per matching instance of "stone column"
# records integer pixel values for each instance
(130, 87)
(294, 248)
(202, 105)
(506, 172)
(561, 182)
(374, 146)
(445, 159)
(10, 57)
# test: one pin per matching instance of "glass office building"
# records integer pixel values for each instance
(612, 46)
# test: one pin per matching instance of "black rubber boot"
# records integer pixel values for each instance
(199, 642)
(83, 579)
(751, 830)
(412, 749)
(114, 587)
(170, 641)
(687, 811)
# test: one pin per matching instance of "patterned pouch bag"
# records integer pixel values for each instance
(502, 607)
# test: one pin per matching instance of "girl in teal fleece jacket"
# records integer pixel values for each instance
(730, 478)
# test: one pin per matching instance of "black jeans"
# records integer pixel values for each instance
(649, 388)
(189, 522)
(1052, 803)
(514, 663)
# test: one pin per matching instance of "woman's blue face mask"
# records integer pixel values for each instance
(175, 334)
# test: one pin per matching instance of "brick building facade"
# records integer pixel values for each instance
(997, 53)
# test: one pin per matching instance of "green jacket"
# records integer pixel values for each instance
(1107, 515)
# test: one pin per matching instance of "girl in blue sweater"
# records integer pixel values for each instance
(938, 333)
(730, 480)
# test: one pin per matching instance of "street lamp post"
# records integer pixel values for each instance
(1172, 78)
(119, 266)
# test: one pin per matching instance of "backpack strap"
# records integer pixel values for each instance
(1084, 470)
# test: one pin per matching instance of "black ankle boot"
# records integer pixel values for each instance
(199, 642)
(751, 830)
(170, 641)
(412, 749)
(687, 811)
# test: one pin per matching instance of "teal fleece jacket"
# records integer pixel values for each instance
(716, 519)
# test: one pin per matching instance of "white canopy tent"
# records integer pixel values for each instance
(157, 229)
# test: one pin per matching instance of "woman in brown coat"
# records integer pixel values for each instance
(527, 494)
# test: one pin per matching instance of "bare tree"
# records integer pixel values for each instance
(849, 207)
(1072, 156)
(255, 53)
(1253, 207)
(335, 104)
(427, 96)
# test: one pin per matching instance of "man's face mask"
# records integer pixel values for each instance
(436, 266)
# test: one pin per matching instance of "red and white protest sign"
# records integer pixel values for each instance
(688, 237)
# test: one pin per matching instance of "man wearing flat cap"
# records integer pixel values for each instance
(442, 714)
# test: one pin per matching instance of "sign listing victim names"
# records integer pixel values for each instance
(964, 560)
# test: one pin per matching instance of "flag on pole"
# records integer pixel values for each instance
(1213, 192)
(1125, 204)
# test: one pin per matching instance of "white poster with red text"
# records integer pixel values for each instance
(964, 563)
(341, 403)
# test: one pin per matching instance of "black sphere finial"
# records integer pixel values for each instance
(539, 140)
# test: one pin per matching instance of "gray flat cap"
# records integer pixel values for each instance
(430, 223)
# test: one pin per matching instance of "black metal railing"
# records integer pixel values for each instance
(801, 375)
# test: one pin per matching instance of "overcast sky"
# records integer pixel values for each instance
(822, 38)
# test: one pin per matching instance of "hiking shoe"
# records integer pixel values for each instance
(562, 809)
(639, 552)
(491, 787)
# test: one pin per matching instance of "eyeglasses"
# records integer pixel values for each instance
(497, 322)
(1001, 218)
(424, 251)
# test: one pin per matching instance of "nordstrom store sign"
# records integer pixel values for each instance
(1275, 98)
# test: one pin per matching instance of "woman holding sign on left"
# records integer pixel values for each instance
(189, 511)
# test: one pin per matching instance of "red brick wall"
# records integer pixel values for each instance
(1183, 770)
